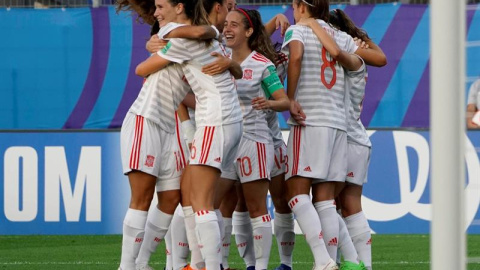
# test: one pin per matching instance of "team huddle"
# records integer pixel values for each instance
(203, 134)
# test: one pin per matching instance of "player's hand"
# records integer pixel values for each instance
(155, 44)
(297, 113)
(282, 22)
(260, 103)
(360, 43)
(218, 66)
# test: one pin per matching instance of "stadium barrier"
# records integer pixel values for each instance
(74, 68)
(72, 183)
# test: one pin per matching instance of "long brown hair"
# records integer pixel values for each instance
(144, 9)
(317, 8)
(259, 40)
(340, 20)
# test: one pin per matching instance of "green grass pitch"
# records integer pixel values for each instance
(103, 252)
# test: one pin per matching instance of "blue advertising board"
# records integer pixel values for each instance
(72, 183)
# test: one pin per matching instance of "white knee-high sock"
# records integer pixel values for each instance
(221, 226)
(345, 244)
(329, 219)
(196, 260)
(310, 224)
(284, 228)
(262, 240)
(357, 225)
(179, 247)
(133, 231)
(226, 242)
(168, 249)
(208, 235)
(244, 237)
(155, 230)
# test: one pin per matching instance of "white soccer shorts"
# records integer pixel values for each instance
(254, 160)
(147, 148)
(357, 166)
(216, 146)
(280, 157)
(319, 153)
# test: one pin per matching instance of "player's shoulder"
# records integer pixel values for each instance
(260, 59)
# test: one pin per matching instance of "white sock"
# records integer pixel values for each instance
(208, 235)
(345, 244)
(168, 249)
(329, 219)
(221, 226)
(180, 247)
(262, 240)
(284, 228)
(196, 260)
(226, 242)
(244, 237)
(133, 231)
(310, 224)
(155, 230)
(357, 225)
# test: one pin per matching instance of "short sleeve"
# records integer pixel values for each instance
(270, 80)
(357, 73)
(474, 92)
(294, 32)
(167, 29)
(350, 45)
(175, 51)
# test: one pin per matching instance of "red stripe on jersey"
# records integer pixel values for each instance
(264, 60)
(184, 163)
(261, 56)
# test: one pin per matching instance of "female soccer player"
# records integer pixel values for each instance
(245, 35)
(317, 142)
(359, 145)
(218, 119)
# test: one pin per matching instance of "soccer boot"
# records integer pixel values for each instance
(331, 265)
(346, 265)
(283, 267)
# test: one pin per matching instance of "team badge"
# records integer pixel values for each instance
(149, 161)
(247, 74)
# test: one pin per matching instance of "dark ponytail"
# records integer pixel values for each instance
(342, 22)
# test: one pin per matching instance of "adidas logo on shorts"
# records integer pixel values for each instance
(218, 160)
(350, 174)
(307, 169)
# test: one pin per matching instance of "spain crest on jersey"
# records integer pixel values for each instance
(247, 74)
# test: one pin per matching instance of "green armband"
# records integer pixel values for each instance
(271, 83)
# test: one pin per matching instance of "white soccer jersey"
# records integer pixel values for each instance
(160, 96)
(216, 99)
(321, 86)
(356, 81)
(259, 79)
(474, 94)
